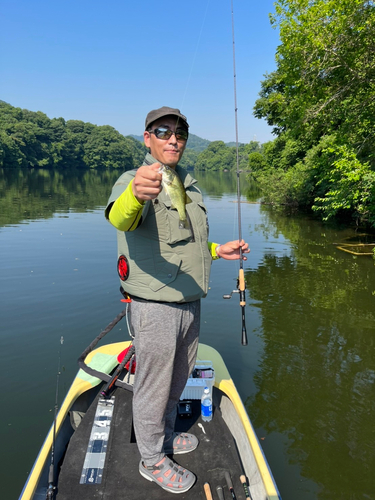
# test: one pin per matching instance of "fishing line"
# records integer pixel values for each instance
(195, 55)
(236, 127)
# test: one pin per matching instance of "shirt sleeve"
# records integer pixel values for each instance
(212, 249)
(126, 211)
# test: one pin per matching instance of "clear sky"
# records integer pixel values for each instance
(110, 62)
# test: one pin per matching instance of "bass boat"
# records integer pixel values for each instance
(90, 451)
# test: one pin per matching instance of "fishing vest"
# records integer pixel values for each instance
(164, 262)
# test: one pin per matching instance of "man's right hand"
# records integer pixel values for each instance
(147, 182)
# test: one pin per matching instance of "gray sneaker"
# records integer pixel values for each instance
(169, 475)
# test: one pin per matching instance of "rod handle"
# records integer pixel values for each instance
(207, 491)
(241, 280)
(220, 493)
(246, 489)
(228, 480)
(230, 485)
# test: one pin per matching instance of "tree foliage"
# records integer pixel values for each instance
(31, 139)
(219, 156)
(321, 104)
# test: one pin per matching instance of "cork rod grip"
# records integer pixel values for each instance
(246, 489)
(207, 491)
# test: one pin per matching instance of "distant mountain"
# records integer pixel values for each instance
(197, 143)
(194, 142)
(233, 144)
(137, 137)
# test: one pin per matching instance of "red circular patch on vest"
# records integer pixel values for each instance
(123, 268)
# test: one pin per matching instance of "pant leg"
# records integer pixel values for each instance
(160, 331)
(184, 362)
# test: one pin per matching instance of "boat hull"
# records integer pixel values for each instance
(227, 404)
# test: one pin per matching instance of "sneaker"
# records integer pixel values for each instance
(169, 475)
(179, 443)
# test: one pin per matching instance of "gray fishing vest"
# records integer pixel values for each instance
(166, 263)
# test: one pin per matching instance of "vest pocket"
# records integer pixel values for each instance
(167, 273)
(176, 233)
(171, 224)
(155, 225)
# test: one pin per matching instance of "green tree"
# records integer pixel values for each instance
(323, 87)
(350, 186)
(257, 161)
(31, 139)
(107, 148)
(216, 157)
(189, 159)
(137, 149)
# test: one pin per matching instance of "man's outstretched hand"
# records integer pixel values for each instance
(231, 250)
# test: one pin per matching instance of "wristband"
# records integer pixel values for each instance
(216, 251)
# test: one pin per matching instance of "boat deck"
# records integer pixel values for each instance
(215, 454)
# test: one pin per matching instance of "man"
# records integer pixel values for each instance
(164, 268)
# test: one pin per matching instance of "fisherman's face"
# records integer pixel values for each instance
(166, 151)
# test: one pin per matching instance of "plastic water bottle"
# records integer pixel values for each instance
(206, 405)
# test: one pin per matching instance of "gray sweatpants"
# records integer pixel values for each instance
(166, 343)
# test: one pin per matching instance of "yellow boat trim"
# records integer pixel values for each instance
(224, 382)
(83, 383)
(78, 387)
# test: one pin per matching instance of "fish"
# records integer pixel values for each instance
(176, 192)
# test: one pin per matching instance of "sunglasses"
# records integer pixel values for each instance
(166, 133)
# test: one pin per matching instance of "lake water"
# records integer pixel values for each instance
(307, 377)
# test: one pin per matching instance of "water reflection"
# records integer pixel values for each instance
(315, 379)
(218, 183)
(315, 382)
(38, 193)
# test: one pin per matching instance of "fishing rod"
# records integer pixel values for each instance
(241, 286)
(50, 495)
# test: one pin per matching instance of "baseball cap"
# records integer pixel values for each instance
(155, 114)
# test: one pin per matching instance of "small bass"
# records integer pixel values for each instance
(176, 192)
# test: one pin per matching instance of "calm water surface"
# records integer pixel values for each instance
(307, 377)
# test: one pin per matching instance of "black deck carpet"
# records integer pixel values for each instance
(215, 454)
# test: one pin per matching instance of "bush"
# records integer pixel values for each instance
(350, 187)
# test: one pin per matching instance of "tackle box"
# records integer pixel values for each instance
(203, 376)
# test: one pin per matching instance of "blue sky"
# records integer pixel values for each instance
(111, 62)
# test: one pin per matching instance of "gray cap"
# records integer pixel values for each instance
(155, 114)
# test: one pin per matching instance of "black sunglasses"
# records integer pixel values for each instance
(165, 133)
